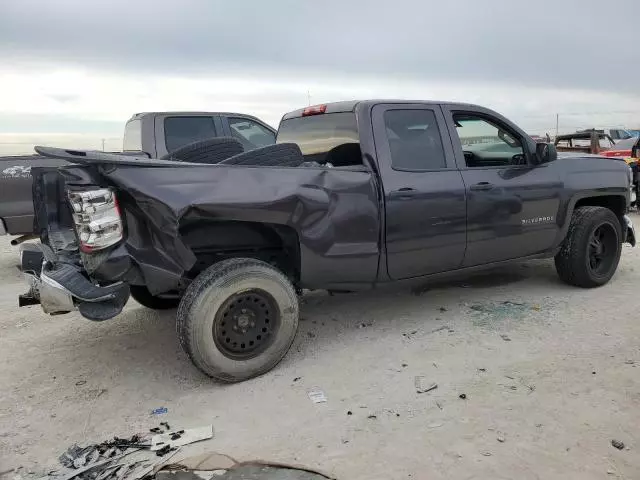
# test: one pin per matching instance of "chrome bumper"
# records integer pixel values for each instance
(630, 231)
(52, 297)
(60, 287)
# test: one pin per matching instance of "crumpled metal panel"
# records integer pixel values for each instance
(334, 212)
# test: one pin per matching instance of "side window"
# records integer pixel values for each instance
(414, 140)
(251, 134)
(485, 144)
(179, 131)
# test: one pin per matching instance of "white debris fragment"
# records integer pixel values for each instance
(317, 396)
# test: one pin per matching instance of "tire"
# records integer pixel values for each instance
(212, 316)
(141, 295)
(574, 261)
(211, 151)
(277, 155)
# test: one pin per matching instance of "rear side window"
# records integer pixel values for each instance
(414, 140)
(132, 136)
(179, 131)
(251, 134)
(326, 139)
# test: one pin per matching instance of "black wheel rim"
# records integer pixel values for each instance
(602, 250)
(246, 324)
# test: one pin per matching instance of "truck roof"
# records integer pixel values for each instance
(351, 105)
(187, 113)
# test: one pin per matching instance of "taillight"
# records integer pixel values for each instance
(97, 218)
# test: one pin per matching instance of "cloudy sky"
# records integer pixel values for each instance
(73, 71)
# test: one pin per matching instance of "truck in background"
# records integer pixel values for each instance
(151, 135)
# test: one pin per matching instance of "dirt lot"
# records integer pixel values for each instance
(550, 378)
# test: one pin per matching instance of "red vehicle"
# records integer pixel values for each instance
(629, 149)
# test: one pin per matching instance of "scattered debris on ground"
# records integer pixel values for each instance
(444, 327)
(463, 396)
(410, 335)
(501, 438)
(159, 411)
(617, 444)
(130, 458)
(172, 440)
(505, 337)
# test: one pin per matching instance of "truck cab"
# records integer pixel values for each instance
(160, 133)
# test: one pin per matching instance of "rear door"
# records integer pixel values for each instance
(512, 204)
(425, 209)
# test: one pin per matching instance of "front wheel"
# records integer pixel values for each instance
(591, 251)
(238, 319)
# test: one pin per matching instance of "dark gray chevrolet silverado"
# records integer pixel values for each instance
(354, 195)
(150, 134)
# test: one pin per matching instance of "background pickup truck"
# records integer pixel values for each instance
(153, 135)
(354, 195)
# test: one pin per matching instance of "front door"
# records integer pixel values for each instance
(425, 209)
(512, 204)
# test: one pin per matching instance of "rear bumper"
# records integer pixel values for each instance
(630, 231)
(62, 287)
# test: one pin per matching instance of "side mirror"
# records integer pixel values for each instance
(545, 153)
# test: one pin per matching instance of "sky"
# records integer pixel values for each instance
(73, 71)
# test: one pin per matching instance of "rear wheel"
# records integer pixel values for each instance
(141, 295)
(591, 251)
(238, 319)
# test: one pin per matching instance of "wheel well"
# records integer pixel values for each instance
(616, 203)
(216, 240)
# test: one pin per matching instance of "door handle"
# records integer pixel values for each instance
(403, 193)
(481, 186)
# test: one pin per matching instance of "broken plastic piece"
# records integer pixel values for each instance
(159, 411)
(184, 437)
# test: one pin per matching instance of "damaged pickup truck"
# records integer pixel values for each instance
(354, 195)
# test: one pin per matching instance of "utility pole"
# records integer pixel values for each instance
(309, 97)
(557, 123)
(103, 144)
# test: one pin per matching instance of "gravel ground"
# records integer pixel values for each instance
(551, 378)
